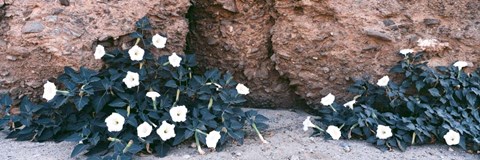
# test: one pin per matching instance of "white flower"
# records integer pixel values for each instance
(153, 95)
(308, 124)
(49, 91)
(452, 138)
(166, 131)
(406, 51)
(99, 52)
(144, 130)
(115, 122)
(328, 100)
(382, 82)
(174, 60)
(334, 132)
(460, 64)
(179, 113)
(159, 41)
(242, 89)
(212, 139)
(350, 104)
(131, 80)
(384, 132)
(136, 53)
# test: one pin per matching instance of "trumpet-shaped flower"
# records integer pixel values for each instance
(308, 124)
(242, 89)
(179, 113)
(384, 132)
(452, 138)
(405, 52)
(144, 130)
(115, 122)
(212, 139)
(334, 132)
(382, 82)
(460, 64)
(159, 41)
(174, 60)
(166, 131)
(328, 100)
(99, 52)
(136, 53)
(49, 91)
(153, 95)
(131, 80)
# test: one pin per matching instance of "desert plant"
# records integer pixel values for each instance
(137, 104)
(425, 105)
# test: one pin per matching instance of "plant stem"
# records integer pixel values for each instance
(138, 40)
(63, 92)
(210, 103)
(199, 148)
(200, 131)
(178, 96)
(130, 143)
(332, 108)
(258, 133)
(154, 104)
(413, 137)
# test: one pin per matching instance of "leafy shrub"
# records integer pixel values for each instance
(137, 104)
(426, 105)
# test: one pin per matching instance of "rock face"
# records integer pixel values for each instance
(38, 38)
(284, 50)
(321, 46)
(235, 36)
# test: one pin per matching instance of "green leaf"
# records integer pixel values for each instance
(78, 149)
(471, 98)
(117, 103)
(162, 149)
(171, 84)
(434, 92)
(100, 101)
(80, 102)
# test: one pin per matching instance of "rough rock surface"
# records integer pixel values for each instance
(235, 36)
(321, 46)
(38, 37)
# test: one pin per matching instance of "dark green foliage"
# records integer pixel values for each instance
(420, 106)
(88, 97)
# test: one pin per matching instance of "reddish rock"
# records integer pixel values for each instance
(46, 36)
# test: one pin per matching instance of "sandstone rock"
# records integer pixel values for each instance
(431, 21)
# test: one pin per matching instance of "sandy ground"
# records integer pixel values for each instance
(287, 141)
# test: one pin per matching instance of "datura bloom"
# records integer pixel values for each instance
(452, 138)
(153, 95)
(334, 132)
(404, 52)
(166, 131)
(179, 113)
(136, 53)
(384, 132)
(49, 91)
(242, 89)
(350, 104)
(144, 130)
(159, 41)
(212, 139)
(308, 124)
(328, 100)
(174, 60)
(115, 122)
(460, 64)
(382, 82)
(131, 80)
(99, 52)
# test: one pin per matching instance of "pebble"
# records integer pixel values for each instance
(11, 58)
(186, 156)
(65, 2)
(378, 34)
(431, 21)
(14, 91)
(346, 147)
(294, 157)
(33, 84)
